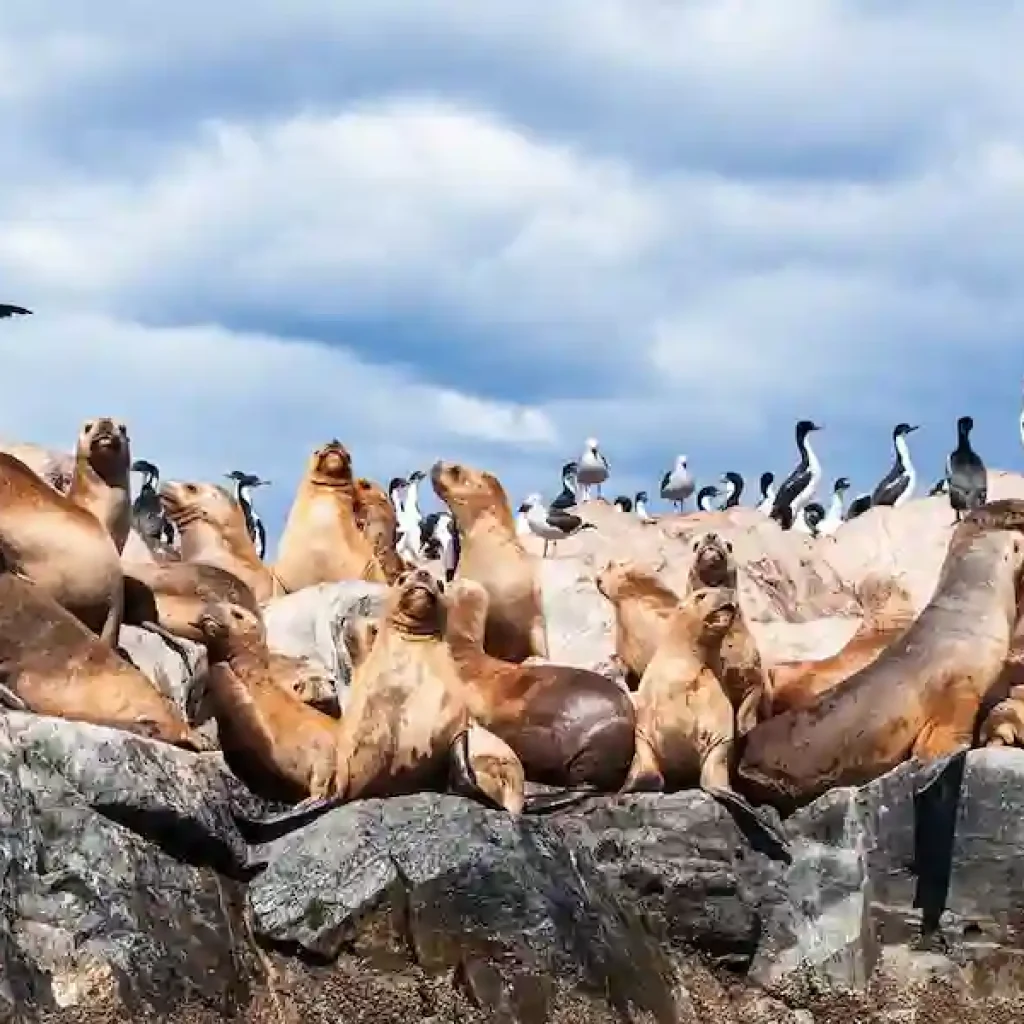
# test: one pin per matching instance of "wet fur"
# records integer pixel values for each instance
(491, 554)
(376, 517)
(322, 542)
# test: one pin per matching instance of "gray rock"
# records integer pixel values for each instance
(166, 668)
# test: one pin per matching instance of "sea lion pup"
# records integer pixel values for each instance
(56, 666)
(321, 542)
(65, 550)
(101, 483)
(212, 531)
(713, 564)
(919, 698)
(492, 555)
(888, 614)
(643, 605)
(569, 727)
(685, 721)
(281, 748)
(376, 517)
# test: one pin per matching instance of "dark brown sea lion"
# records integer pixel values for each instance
(376, 517)
(920, 698)
(101, 483)
(569, 727)
(55, 666)
(491, 554)
(321, 542)
(65, 550)
(713, 563)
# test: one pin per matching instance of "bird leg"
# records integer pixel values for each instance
(545, 555)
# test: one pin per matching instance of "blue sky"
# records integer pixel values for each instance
(485, 232)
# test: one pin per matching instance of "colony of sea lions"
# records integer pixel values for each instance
(453, 689)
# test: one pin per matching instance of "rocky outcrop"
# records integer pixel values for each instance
(129, 893)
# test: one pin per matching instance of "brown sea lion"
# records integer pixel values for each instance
(321, 542)
(491, 554)
(569, 727)
(212, 531)
(281, 748)
(376, 517)
(407, 713)
(919, 698)
(101, 483)
(888, 614)
(685, 721)
(55, 666)
(65, 550)
(643, 605)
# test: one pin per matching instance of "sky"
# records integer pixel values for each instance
(485, 232)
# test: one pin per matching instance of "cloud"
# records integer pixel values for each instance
(448, 229)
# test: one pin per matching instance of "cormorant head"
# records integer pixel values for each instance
(569, 470)
(148, 469)
(767, 479)
(804, 427)
(842, 484)
(964, 425)
(902, 429)
(641, 496)
(416, 476)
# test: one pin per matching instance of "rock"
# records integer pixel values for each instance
(310, 623)
(152, 656)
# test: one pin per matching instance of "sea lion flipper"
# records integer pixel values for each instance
(545, 803)
(265, 830)
(10, 700)
(762, 833)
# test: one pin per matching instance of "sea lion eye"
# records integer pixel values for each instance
(88, 427)
(191, 488)
(728, 546)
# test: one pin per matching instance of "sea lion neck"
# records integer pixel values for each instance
(411, 627)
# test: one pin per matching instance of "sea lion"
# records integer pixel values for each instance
(919, 698)
(491, 554)
(569, 727)
(47, 538)
(643, 605)
(212, 531)
(281, 748)
(101, 483)
(888, 613)
(57, 667)
(407, 713)
(713, 563)
(321, 542)
(376, 517)
(685, 721)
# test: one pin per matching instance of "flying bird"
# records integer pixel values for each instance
(8, 310)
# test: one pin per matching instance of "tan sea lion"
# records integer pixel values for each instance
(48, 539)
(55, 666)
(281, 748)
(921, 696)
(376, 517)
(212, 531)
(491, 554)
(888, 614)
(713, 563)
(321, 542)
(101, 483)
(643, 605)
(685, 721)
(569, 727)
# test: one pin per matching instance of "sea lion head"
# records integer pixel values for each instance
(712, 559)
(714, 608)
(185, 503)
(416, 604)
(225, 627)
(470, 493)
(331, 465)
(622, 578)
(1004, 514)
(371, 502)
(105, 445)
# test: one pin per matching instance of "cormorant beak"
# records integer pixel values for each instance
(910, 430)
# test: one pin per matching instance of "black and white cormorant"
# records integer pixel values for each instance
(408, 531)
(897, 486)
(705, 496)
(624, 502)
(640, 507)
(767, 486)
(148, 515)
(244, 484)
(733, 489)
(966, 473)
(440, 539)
(834, 516)
(7, 310)
(798, 488)
(567, 498)
(551, 525)
(858, 506)
(677, 484)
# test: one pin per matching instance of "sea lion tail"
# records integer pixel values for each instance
(762, 833)
(265, 830)
(545, 803)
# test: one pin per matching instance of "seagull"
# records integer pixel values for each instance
(677, 484)
(733, 489)
(592, 469)
(966, 473)
(834, 517)
(798, 488)
(767, 493)
(897, 486)
(704, 496)
(550, 524)
(244, 483)
(624, 502)
(640, 507)
(567, 498)
(522, 526)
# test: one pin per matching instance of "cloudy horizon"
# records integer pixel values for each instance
(485, 233)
